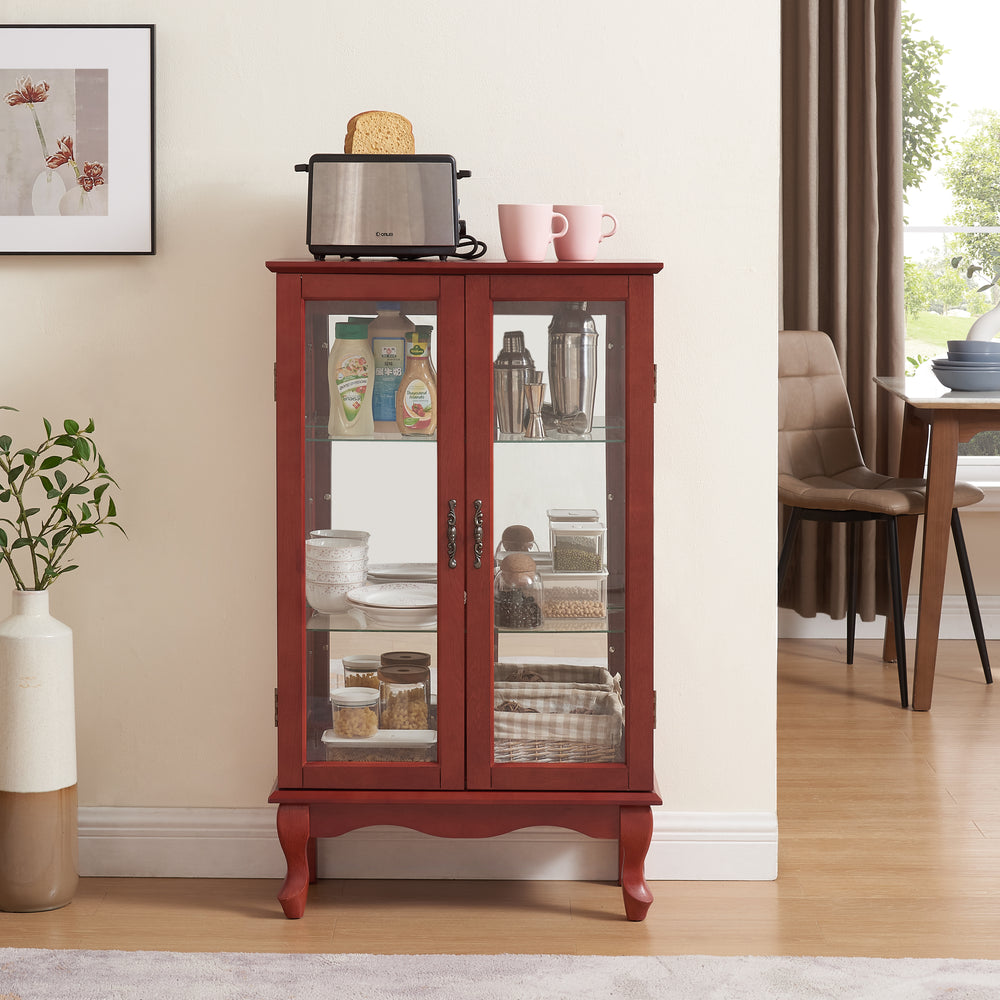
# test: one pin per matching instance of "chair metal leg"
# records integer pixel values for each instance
(970, 593)
(896, 589)
(852, 586)
(791, 529)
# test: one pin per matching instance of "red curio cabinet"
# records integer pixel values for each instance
(464, 586)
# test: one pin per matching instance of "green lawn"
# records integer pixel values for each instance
(929, 333)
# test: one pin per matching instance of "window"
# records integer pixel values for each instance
(951, 110)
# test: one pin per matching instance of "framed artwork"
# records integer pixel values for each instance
(76, 139)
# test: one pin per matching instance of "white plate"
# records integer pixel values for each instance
(403, 572)
(394, 596)
(387, 737)
(403, 618)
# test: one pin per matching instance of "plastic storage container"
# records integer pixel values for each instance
(573, 514)
(355, 712)
(361, 671)
(405, 690)
(574, 595)
(577, 546)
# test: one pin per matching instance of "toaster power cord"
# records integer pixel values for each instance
(475, 248)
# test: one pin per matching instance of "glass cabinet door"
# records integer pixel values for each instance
(558, 537)
(374, 519)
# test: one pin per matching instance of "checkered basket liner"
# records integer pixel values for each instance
(562, 723)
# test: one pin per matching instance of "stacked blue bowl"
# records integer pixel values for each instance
(971, 366)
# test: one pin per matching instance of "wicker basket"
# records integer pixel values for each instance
(557, 723)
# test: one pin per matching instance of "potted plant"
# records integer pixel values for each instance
(51, 495)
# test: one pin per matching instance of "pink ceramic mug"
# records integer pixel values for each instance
(586, 230)
(527, 230)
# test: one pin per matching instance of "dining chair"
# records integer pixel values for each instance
(822, 476)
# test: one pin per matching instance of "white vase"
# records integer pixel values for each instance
(986, 327)
(38, 796)
(47, 192)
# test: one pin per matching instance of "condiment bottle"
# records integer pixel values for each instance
(386, 338)
(416, 397)
(351, 372)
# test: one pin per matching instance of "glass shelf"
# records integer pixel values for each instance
(602, 432)
(349, 622)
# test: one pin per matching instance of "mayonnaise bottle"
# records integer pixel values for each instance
(351, 373)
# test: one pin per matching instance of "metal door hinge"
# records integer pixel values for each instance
(276, 381)
(654, 383)
(275, 708)
(654, 709)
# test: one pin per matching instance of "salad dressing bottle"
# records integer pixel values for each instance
(416, 398)
(385, 337)
(351, 374)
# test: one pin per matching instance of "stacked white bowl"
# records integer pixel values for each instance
(971, 366)
(336, 562)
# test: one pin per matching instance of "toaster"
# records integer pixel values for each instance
(368, 205)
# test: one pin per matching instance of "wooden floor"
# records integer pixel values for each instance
(889, 826)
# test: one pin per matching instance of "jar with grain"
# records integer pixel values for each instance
(515, 538)
(355, 712)
(577, 546)
(575, 595)
(361, 671)
(405, 690)
(517, 593)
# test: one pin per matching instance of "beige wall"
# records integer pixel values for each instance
(664, 111)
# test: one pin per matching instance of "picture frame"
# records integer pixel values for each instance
(76, 127)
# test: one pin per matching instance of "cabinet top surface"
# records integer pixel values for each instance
(440, 267)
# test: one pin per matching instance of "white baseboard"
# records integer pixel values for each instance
(955, 623)
(242, 843)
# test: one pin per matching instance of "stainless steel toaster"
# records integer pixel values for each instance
(364, 205)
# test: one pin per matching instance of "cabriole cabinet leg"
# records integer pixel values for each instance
(293, 835)
(635, 833)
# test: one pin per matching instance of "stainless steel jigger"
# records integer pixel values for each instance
(535, 392)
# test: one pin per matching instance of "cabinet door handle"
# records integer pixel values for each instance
(452, 534)
(477, 533)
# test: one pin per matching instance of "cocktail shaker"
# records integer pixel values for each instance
(510, 374)
(573, 366)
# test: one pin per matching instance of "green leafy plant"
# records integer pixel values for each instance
(50, 496)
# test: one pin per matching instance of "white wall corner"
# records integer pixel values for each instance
(242, 843)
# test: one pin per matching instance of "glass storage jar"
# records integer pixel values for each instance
(515, 538)
(355, 712)
(517, 593)
(361, 670)
(405, 690)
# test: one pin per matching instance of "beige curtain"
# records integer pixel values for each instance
(842, 244)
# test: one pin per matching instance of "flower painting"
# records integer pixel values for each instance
(76, 139)
(54, 137)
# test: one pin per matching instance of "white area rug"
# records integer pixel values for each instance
(40, 974)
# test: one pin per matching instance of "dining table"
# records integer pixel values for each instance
(944, 418)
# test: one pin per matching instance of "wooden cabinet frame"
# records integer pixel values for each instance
(464, 793)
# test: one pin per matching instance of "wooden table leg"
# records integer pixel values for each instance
(912, 455)
(635, 833)
(293, 835)
(941, 468)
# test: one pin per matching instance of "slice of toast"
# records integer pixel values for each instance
(379, 132)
